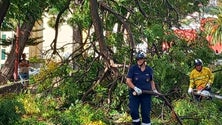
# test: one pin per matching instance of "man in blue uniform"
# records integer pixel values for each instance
(140, 77)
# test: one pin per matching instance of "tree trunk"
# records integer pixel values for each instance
(98, 29)
(77, 43)
(7, 70)
(4, 5)
(104, 52)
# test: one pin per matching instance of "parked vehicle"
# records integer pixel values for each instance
(218, 62)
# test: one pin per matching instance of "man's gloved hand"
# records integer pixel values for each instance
(208, 86)
(199, 92)
(190, 90)
(137, 90)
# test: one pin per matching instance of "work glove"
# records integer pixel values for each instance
(137, 90)
(190, 90)
(208, 86)
(199, 92)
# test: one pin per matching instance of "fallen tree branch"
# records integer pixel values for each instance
(162, 96)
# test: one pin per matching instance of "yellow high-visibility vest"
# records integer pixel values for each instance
(200, 79)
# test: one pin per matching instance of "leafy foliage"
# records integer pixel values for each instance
(217, 78)
(85, 90)
(11, 110)
(193, 112)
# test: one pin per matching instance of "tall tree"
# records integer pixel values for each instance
(26, 16)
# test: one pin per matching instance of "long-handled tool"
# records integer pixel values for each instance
(161, 96)
(207, 94)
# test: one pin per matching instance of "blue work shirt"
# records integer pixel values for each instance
(141, 79)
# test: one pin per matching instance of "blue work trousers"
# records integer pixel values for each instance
(24, 76)
(140, 104)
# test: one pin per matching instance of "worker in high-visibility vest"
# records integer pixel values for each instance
(201, 78)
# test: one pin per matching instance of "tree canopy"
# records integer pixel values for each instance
(90, 83)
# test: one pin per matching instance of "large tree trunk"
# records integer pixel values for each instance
(7, 70)
(104, 51)
(99, 30)
(4, 5)
(77, 43)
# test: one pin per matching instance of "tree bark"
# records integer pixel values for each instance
(4, 5)
(122, 19)
(104, 52)
(7, 70)
(98, 27)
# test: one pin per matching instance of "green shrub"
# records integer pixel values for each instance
(10, 111)
(217, 78)
(205, 112)
(30, 103)
(81, 113)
